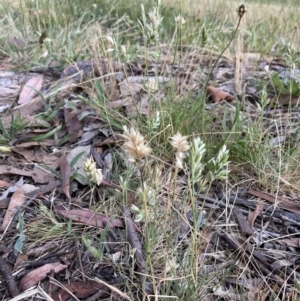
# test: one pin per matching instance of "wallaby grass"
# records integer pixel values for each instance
(76, 31)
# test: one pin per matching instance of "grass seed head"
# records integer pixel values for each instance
(151, 30)
(196, 154)
(139, 214)
(147, 193)
(110, 39)
(171, 265)
(179, 20)
(241, 10)
(179, 161)
(94, 175)
(218, 167)
(123, 50)
(180, 143)
(134, 145)
(151, 85)
(5, 149)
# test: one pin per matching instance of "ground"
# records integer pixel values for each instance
(149, 152)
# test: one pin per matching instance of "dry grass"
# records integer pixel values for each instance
(179, 237)
(263, 24)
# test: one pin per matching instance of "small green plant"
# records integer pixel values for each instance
(288, 81)
(96, 253)
(285, 85)
(16, 125)
(21, 236)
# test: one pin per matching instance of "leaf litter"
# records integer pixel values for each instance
(36, 275)
(90, 218)
(67, 203)
(30, 89)
(16, 201)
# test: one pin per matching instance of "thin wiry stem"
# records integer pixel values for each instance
(241, 10)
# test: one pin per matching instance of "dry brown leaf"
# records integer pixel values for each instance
(79, 289)
(25, 111)
(65, 171)
(286, 99)
(253, 215)
(38, 251)
(48, 159)
(32, 121)
(242, 222)
(17, 200)
(20, 259)
(39, 175)
(46, 142)
(131, 86)
(120, 103)
(4, 184)
(73, 125)
(30, 89)
(5, 64)
(90, 218)
(133, 110)
(35, 276)
(218, 95)
(281, 202)
(291, 242)
(28, 154)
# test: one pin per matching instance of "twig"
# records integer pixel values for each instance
(216, 268)
(50, 286)
(136, 244)
(271, 212)
(257, 261)
(134, 240)
(9, 279)
(281, 202)
(100, 293)
(233, 244)
(242, 222)
(79, 260)
(268, 273)
(291, 221)
(241, 11)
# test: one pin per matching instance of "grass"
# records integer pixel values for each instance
(72, 30)
(163, 191)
